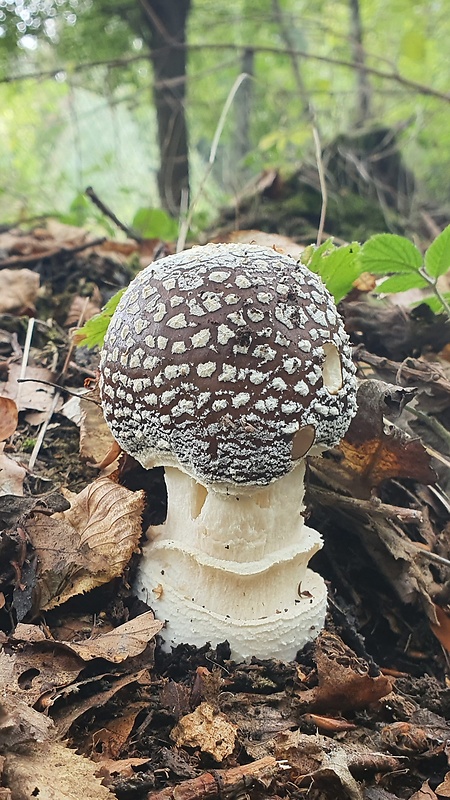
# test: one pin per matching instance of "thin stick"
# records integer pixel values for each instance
(89, 192)
(57, 392)
(184, 228)
(323, 184)
(25, 355)
(396, 77)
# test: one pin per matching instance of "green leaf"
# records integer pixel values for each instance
(154, 223)
(93, 332)
(401, 283)
(312, 255)
(437, 257)
(434, 303)
(387, 253)
(340, 269)
(414, 45)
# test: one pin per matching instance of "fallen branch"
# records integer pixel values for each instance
(32, 258)
(89, 192)
(223, 783)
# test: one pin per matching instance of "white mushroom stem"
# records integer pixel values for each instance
(232, 564)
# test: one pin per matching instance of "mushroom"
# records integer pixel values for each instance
(226, 364)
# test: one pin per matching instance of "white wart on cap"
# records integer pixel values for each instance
(227, 361)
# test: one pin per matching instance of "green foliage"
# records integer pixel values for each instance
(93, 331)
(389, 254)
(154, 223)
(338, 267)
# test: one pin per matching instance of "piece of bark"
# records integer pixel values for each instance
(222, 783)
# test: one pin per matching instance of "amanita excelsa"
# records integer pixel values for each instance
(226, 364)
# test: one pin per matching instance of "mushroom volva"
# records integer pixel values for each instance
(226, 364)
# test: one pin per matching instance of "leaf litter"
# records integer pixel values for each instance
(89, 704)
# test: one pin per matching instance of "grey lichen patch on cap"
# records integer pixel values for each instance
(215, 358)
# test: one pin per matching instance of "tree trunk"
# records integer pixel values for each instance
(364, 89)
(166, 20)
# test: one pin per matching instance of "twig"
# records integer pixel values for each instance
(89, 192)
(58, 390)
(282, 51)
(373, 506)
(55, 251)
(72, 392)
(222, 783)
(432, 283)
(323, 184)
(184, 228)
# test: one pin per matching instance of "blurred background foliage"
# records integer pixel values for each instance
(77, 94)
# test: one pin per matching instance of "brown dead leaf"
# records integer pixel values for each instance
(88, 545)
(282, 244)
(207, 729)
(366, 282)
(322, 761)
(28, 671)
(443, 790)
(125, 641)
(32, 395)
(20, 724)
(441, 629)
(18, 291)
(108, 742)
(65, 717)
(52, 772)
(83, 308)
(12, 475)
(9, 416)
(95, 437)
(371, 452)
(110, 769)
(425, 793)
(344, 682)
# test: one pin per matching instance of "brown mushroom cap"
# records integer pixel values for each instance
(225, 360)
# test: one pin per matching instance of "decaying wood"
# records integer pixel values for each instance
(222, 783)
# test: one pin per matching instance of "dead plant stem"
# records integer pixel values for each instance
(184, 228)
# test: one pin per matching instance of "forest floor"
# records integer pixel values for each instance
(91, 706)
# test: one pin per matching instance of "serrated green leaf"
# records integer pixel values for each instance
(401, 283)
(340, 269)
(437, 257)
(312, 255)
(154, 223)
(434, 303)
(93, 331)
(387, 253)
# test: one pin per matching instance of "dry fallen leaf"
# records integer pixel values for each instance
(36, 669)
(207, 729)
(52, 772)
(441, 629)
(373, 453)
(282, 244)
(125, 641)
(88, 545)
(443, 790)
(322, 761)
(344, 681)
(32, 395)
(20, 724)
(12, 475)
(83, 308)
(8, 418)
(18, 290)
(69, 715)
(110, 739)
